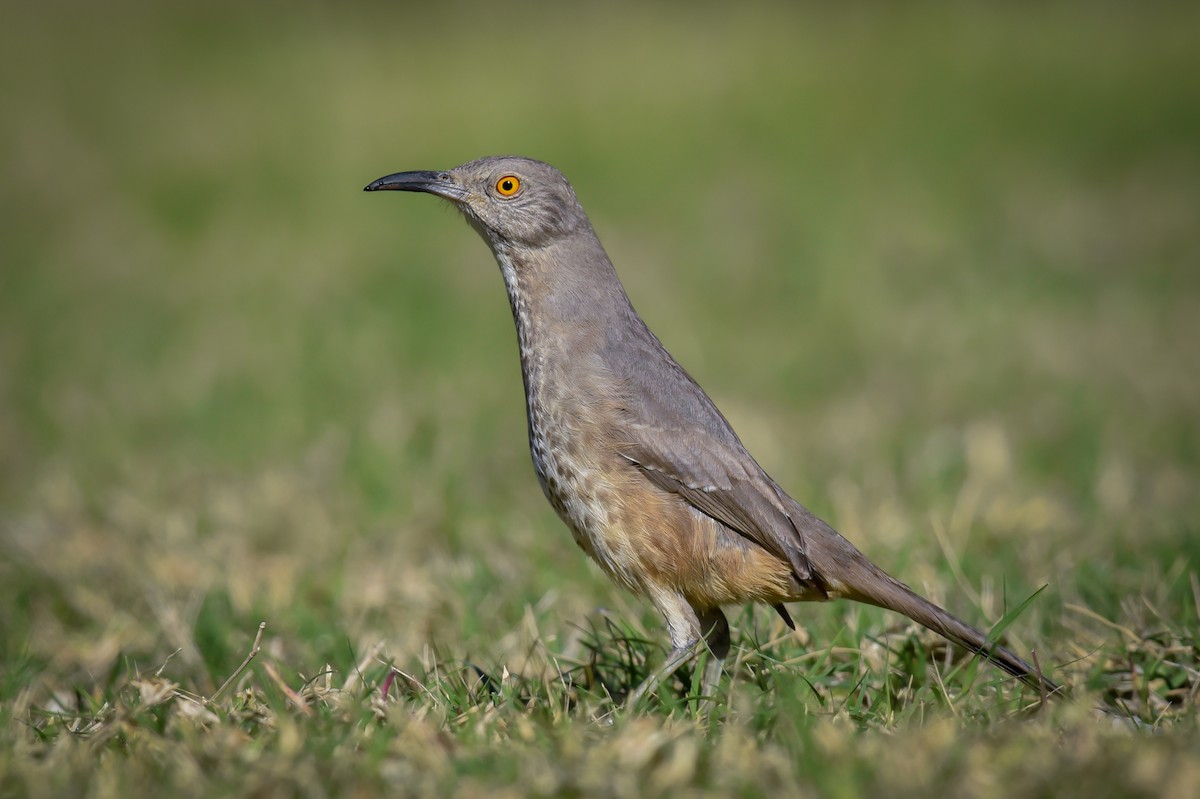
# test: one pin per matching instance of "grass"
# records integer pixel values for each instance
(938, 266)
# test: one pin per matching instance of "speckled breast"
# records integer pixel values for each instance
(570, 483)
(563, 437)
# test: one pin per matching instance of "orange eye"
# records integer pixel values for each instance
(508, 185)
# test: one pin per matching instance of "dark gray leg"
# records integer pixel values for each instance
(684, 626)
(688, 629)
(716, 635)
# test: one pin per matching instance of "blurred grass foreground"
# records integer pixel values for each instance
(938, 264)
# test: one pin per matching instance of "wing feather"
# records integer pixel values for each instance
(724, 483)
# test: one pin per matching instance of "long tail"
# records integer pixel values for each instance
(866, 582)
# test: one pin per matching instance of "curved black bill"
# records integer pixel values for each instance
(439, 183)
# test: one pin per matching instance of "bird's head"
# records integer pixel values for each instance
(510, 200)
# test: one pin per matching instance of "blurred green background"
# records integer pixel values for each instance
(939, 264)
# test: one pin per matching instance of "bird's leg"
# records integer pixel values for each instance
(716, 635)
(684, 627)
(677, 657)
(689, 628)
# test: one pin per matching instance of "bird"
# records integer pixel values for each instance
(648, 475)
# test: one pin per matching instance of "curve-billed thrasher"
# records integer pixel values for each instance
(637, 460)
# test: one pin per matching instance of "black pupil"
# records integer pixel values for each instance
(506, 185)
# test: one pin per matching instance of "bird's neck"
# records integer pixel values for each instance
(563, 296)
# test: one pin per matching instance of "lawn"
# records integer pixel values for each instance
(939, 265)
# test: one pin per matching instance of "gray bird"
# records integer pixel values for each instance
(652, 481)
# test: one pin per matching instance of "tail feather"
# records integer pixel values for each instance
(873, 586)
